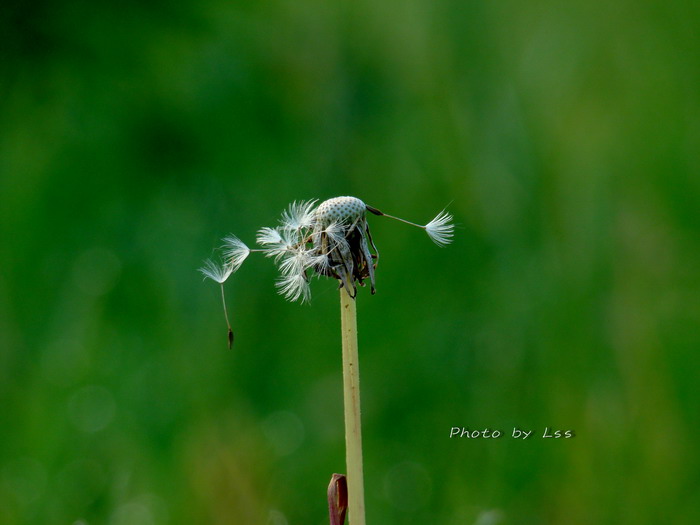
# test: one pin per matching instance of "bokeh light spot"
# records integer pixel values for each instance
(91, 408)
(284, 431)
(408, 486)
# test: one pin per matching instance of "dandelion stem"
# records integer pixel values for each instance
(351, 396)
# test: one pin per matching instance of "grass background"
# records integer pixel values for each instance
(565, 139)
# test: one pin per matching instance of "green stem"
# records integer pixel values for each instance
(351, 396)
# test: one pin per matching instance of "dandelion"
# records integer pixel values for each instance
(331, 239)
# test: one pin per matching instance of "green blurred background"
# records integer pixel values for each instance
(565, 138)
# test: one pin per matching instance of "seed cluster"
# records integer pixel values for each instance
(330, 239)
(341, 240)
(341, 210)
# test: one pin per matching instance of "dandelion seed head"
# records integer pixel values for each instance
(340, 210)
(331, 239)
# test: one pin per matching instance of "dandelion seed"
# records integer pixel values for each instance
(269, 237)
(296, 261)
(329, 238)
(216, 272)
(294, 287)
(299, 215)
(220, 273)
(321, 264)
(235, 251)
(279, 242)
(441, 229)
(335, 232)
